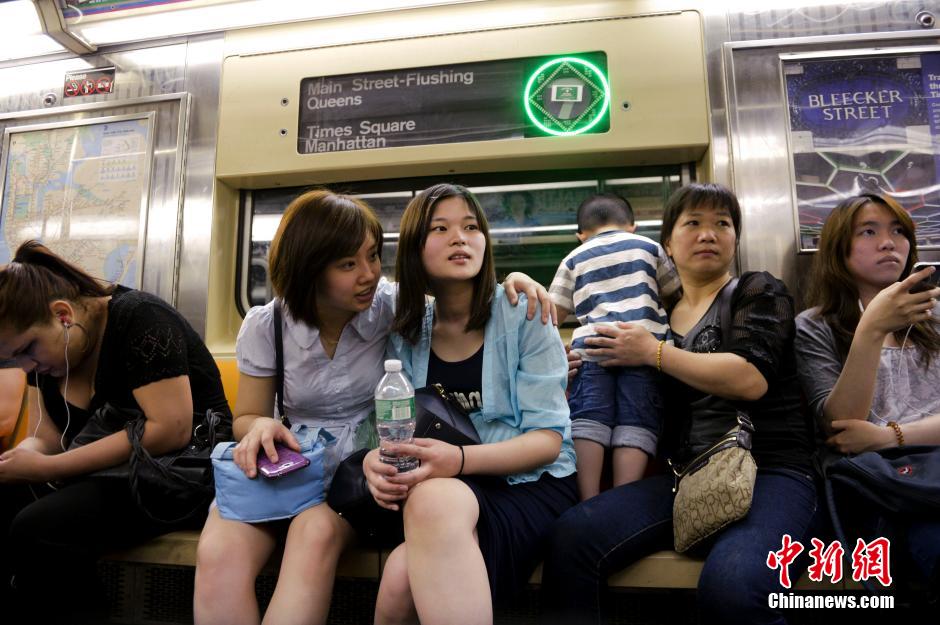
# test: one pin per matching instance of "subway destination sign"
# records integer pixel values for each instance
(505, 99)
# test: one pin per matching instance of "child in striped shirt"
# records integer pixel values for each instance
(614, 275)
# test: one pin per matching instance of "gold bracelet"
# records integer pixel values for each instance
(659, 356)
(897, 432)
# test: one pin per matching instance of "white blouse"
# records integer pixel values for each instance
(319, 391)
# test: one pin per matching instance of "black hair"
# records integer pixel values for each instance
(604, 209)
(703, 195)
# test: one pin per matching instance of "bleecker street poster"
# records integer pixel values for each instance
(866, 124)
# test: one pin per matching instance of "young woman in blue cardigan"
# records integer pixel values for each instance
(478, 514)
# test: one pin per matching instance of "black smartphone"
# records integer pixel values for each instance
(932, 281)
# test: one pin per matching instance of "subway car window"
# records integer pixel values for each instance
(647, 196)
(532, 216)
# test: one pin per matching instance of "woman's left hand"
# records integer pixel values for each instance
(438, 459)
(26, 465)
(519, 282)
(853, 436)
(626, 345)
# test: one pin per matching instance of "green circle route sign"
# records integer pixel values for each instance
(566, 96)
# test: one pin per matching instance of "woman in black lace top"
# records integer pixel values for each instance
(713, 370)
(84, 344)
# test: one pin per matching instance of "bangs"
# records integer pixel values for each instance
(351, 228)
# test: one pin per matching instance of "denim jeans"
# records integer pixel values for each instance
(620, 526)
(616, 406)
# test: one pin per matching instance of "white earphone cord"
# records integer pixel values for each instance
(897, 376)
(68, 413)
(65, 391)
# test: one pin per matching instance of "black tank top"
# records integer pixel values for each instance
(463, 378)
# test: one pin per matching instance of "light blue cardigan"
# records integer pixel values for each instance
(524, 375)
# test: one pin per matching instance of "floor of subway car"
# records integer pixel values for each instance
(162, 595)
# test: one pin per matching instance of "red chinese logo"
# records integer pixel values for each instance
(827, 561)
(783, 558)
(869, 560)
(872, 560)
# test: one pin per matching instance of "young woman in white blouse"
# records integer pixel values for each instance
(325, 268)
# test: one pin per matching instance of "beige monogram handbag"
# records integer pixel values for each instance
(715, 488)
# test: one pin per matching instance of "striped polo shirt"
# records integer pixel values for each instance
(615, 276)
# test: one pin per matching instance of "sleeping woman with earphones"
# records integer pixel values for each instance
(84, 343)
(869, 349)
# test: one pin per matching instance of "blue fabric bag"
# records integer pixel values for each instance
(899, 480)
(262, 499)
(896, 484)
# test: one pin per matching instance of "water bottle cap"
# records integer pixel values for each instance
(391, 366)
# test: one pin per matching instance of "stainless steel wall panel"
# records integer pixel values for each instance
(761, 163)
(715, 21)
(828, 19)
(203, 75)
(162, 225)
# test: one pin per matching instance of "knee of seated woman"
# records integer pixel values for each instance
(439, 503)
(217, 558)
(320, 528)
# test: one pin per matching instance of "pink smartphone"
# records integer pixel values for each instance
(288, 461)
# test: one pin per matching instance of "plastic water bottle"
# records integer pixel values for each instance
(395, 414)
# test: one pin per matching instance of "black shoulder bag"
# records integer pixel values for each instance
(438, 416)
(180, 481)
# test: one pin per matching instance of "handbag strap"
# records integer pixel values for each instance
(742, 419)
(279, 363)
(724, 309)
(140, 457)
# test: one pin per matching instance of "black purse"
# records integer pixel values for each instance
(439, 416)
(180, 481)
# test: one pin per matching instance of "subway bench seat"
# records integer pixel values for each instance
(664, 569)
(152, 583)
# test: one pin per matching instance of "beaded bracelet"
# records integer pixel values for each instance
(659, 355)
(897, 432)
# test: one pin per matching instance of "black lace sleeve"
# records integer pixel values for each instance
(762, 324)
(152, 345)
